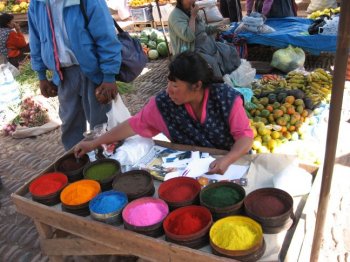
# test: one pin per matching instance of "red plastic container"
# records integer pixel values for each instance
(180, 191)
(46, 189)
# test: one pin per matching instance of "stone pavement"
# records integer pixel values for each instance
(22, 159)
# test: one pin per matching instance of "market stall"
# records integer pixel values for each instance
(64, 234)
(290, 31)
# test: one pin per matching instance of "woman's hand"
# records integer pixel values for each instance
(219, 166)
(17, 27)
(194, 10)
(83, 147)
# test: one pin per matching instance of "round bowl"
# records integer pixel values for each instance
(237, 237)
(145, 216)
(107, 207)
(103, 171)
(135, 184)
(188, 226)
(75, 197)
(46, 189)
(223, 199)
(271, 207)
(179, 191)
(72, 167)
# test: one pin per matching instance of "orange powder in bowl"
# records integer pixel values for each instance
(80, 192)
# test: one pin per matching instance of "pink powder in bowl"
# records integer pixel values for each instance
(145, 211)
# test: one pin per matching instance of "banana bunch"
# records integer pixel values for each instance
(327, 11)
(296, 80)
(268, 84)
(319, 86)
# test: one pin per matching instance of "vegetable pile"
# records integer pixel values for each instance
(153, 43)
(31, 114)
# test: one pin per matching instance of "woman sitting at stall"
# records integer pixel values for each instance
(193, 111)
(188, 31)
(12, 42)
(273, 8)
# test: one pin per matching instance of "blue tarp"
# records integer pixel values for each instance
(291, 31)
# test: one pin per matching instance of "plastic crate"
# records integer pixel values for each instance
(143, 14)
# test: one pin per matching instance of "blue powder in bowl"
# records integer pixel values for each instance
(108, 202)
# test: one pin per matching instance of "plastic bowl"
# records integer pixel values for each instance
(227, 238)
(107, 207)
(180, 191)
(72, 167)
(145, 216)
(46, 189)
(188, 226)
(271, 207)
(135, 184)
(103, 171)
(210, 198)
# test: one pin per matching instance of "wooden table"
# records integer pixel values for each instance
(64, 234)
(22, 17)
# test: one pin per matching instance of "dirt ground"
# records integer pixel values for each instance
(22, 159)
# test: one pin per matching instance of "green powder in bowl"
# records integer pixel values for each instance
(221, 196)
(101, 171)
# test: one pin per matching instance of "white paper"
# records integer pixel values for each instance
(233, 172)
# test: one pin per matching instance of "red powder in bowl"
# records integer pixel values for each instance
(48, 184)
(179, 189)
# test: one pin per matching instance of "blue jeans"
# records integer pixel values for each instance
(78, 104)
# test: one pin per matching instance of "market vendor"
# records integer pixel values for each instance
(13, 45)
(188, 31)
(272, 8)
(193, 110)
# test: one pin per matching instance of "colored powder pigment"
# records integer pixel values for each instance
(71, 164)
(186, 224)
(181, 192)
(236, 234)
(147, 214)
(221, 196)
(108, 202)
(101, 171)
(269, 206)
(133, 184)
(80, 192)
(48, 184)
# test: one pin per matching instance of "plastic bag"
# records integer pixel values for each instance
(210, 11)
(288, 59)
(244, 75)
(9, 88)
(132, 150)
(294, 180)
(118, 113)
(255, 23)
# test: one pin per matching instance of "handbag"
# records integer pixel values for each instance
(133, 57)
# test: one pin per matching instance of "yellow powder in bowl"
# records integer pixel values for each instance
(236, 233)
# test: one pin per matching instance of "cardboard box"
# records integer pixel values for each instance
(143, 14)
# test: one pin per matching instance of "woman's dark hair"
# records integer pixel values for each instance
(191, 67)
(180, 6)
(5, 19)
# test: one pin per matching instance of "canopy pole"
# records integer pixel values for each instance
(341, 58)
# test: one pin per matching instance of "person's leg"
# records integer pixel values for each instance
(95, 112)
(224, 8)
(71, 109)
(235, 10)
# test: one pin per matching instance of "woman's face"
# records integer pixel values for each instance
(181, 92)
(187, 4)
(11, 24)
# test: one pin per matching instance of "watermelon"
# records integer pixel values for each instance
(153, 36)
(144, 40)
(152, 44)
(162, 49)
(153, 54)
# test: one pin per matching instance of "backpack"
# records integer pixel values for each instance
(133, 57)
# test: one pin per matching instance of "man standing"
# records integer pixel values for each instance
(84, 60)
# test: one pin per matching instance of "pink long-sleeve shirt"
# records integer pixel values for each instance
(149, 121)
(265, 9)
